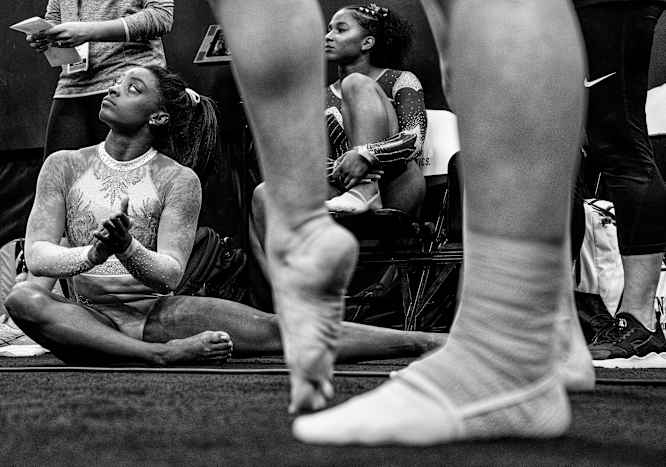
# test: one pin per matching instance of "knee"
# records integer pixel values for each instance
(356, 84)
(26, 301)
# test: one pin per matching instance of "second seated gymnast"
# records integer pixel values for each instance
(128, 210)
(375, 118)
(375, 112)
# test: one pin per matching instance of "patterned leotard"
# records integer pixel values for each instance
(405, 92)
(93, 184)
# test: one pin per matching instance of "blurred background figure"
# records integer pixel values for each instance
(112, 36)
(618, 38)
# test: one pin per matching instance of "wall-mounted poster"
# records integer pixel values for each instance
(213, 48)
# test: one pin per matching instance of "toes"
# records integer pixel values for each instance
(220, 337)
(218, 346)
(308, 395)
(224, 345)
(218, 340)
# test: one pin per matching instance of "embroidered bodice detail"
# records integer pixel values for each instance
(97, 193)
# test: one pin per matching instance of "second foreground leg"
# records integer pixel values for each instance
(520, 117)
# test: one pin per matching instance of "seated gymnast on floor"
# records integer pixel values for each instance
(128, 209)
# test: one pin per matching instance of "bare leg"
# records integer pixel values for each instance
(406, 191)
(74, 334)
(310, 258)
(361, 342)
(520, 117)
(367, 113)
(257, 230)
(255, 333)
(368, 117)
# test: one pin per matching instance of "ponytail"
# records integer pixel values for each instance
(201, 145)
(191, 135)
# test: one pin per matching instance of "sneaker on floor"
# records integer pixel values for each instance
(11, 335)
(627, 338)
(14, 342)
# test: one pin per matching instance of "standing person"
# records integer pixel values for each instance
(115, 35)
(128, 211)
(618, 38)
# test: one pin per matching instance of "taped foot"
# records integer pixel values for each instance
(573, 359)
(310, 273)
(413, 412)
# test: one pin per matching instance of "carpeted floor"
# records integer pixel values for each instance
(83, 418)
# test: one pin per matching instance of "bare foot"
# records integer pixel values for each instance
(310, 270)
(208, 347)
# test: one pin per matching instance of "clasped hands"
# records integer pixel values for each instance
(68, 34)
(113, 235)
(351, 168)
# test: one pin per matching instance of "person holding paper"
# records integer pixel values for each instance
(111, 37)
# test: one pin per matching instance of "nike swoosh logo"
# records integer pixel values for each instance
(589, 84)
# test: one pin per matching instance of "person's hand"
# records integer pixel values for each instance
(69, 34)
(115, 234)
(99, 252)
(37, 41)
(351, 169)
(374, 175)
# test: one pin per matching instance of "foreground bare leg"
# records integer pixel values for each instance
(310, 258)
(520, 115)
(73, 334)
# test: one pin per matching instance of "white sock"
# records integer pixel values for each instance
(361, 198)
(494, 377)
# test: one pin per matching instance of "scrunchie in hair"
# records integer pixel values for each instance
(194, 96)
(374, 11)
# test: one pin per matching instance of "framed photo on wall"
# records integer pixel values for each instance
(213, 48)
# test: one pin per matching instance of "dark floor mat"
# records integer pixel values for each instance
(193, 419)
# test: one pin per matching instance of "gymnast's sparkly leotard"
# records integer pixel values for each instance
(92, 184)
(406, 94)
